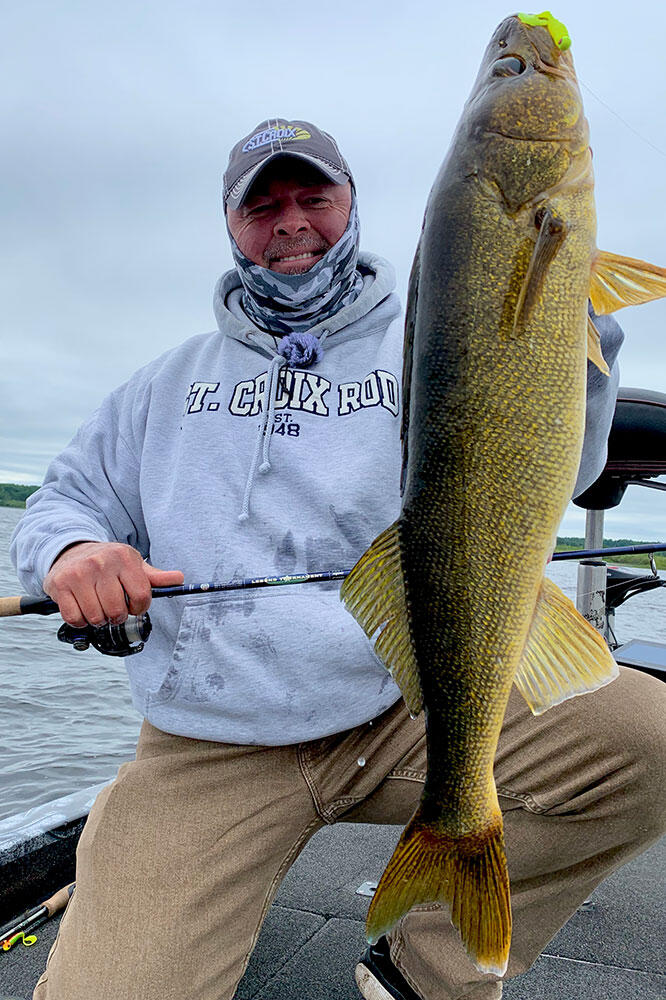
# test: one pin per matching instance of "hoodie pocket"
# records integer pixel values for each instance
(284, 653)
(191, 673)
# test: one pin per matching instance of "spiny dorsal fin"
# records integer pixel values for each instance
(407, 355)
(617, 281)
(374, 592)
(563, 656)
(594, 348)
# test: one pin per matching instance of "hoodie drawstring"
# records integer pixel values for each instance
(265, 428)
(276, 365)
(294, 349)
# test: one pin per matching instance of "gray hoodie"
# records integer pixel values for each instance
(164, 465)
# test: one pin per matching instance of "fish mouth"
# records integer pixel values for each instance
(503, 99)
(538, 61)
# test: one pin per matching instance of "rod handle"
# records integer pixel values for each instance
(27, 605)
(10, 606)
(59, 900)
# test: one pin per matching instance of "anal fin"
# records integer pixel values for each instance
(594, 353)
(374, 593)
(563, 656)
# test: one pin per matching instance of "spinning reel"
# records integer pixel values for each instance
(113, 640)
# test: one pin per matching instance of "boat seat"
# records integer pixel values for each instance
(636, 447)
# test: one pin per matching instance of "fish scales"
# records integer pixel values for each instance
(496, 345)
(479, 412)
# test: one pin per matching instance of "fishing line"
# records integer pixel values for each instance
(590, 592)
(621, 583)
(621, 119)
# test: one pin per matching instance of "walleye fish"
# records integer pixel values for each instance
(497, 338)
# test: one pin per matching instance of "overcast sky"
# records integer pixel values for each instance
(117, 120)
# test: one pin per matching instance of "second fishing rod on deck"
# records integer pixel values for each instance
(130, 636)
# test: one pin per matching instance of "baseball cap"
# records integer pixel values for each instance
(280, 137)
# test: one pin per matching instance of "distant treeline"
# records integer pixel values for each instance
(569, 542)
(13, 495)
(641, 560)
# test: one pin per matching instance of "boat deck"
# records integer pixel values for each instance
(313, 934)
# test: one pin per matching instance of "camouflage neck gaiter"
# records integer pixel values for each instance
(286, 303)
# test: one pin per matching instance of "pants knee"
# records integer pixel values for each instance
(636, 739)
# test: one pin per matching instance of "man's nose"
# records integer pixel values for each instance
(292, 221)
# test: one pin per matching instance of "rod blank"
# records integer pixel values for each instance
(12, 606)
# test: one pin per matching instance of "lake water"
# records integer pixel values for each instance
(66, 718)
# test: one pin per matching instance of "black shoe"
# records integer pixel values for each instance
(377, 977)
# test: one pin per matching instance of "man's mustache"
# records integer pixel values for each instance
(278, 248)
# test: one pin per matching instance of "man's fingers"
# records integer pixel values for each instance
(91, 609)
(139, 580)
(164, 577)
(112, 599)
(137, 588)
(70, 610)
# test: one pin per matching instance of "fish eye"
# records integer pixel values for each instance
(508, 66)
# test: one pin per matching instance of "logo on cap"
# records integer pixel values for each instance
(280, 133)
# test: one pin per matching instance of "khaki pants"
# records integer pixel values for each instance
(183, 853)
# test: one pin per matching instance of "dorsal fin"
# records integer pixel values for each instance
(617, 281)
(408, 346)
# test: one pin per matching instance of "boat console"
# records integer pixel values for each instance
(636, 448)
(636, 456)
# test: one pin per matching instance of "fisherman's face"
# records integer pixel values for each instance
(291, 217)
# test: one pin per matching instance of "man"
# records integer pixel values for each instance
(272, 446)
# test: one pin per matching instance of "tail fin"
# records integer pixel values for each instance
(467, 874)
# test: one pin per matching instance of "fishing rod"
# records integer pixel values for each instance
(130, 636)
(17, 929)
(618, 550)
(11, 606)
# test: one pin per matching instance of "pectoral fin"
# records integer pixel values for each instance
(617, 281)
(594, 348)
(374, 592)
(563, 656)
(552, 231)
